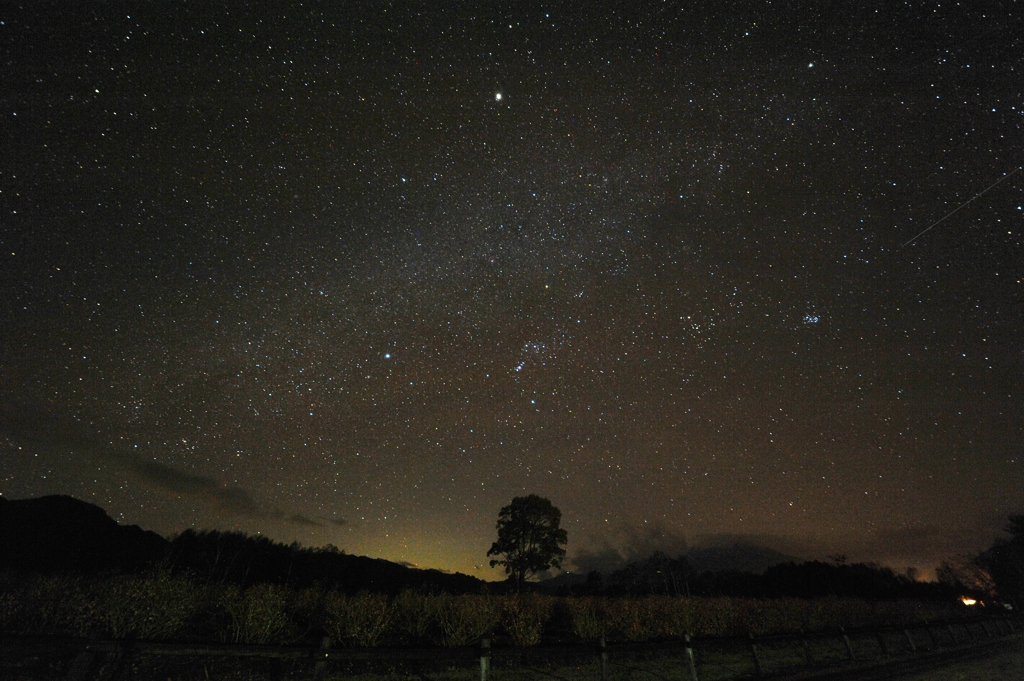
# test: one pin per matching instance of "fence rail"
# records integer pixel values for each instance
(696, 659)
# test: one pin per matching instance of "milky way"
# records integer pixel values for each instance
(300, 270)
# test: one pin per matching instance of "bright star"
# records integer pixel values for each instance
(497, 97)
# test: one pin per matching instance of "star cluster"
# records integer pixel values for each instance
(360, 273)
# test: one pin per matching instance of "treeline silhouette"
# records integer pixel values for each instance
(661, 574)
(237, 558)
(61, 534)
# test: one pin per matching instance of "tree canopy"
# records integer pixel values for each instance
(529, 538)
(1004, 562)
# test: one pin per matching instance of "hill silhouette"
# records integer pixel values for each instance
(61, 534)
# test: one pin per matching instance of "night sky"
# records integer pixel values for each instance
(360, 273)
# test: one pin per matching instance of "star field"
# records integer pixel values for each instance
(359, 275)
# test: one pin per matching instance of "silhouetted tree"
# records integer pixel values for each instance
(529, 538)
(1004, 562)
(965, 577)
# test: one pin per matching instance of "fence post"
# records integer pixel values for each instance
(690, 665)
(320, 655)
(846, 641)
(952, 634)
(881, 642)
(910, 640)
(984, 625)
(806, 645)
(602, 652)
(485, 658)
(753, 652)
(933, 637)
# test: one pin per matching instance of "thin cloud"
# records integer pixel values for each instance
(229, 499)
(634, 543)
(43, 430)
(639, 542)
(161, 476)
(299, 519)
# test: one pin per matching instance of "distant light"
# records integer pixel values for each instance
(967, 600)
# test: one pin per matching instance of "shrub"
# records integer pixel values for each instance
(362, 619)
(415, 615)
(668, 617)
(256, 615)
(305, 610)
(631, 619)
(10, 602)
(523, 618)
(589, 616)
(157, 606)
(51, 605)
(464, 619)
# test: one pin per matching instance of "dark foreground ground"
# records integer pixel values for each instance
(38, 659)
(994, 661)
(1007, 665)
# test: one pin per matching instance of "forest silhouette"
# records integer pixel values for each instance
(57, 534)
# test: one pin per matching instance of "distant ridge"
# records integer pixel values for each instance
(734, 557)
(738, 556)
(748, 570)
(61, 534)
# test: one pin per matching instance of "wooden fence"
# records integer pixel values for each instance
(702, 659)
